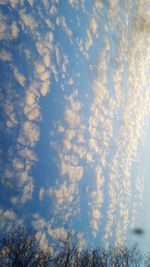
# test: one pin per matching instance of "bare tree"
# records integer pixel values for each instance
(120, 257)
(68, 251)
(147, 260)
(126, 257)
(20, 248)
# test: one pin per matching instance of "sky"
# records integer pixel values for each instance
(74, 128)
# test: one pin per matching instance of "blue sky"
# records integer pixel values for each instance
(74, 92)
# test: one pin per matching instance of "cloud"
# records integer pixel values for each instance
(103, 136)
(98, 5)
(19, 77)
(66, 195)
(43, 242)
(71, 113)
(5, 55)
(58, 55)
(70, 81)
(33, 114)
(133, 123)
(27, 192)
(8, 214)
(96, 201)
(45, 48)
(8, 31)
(70, 133)
(28, 154)
(89, 40)
(73, 3)
(77, 5)
(30, 98)
(22, 110)
(72, 117)
(41, 193)
(67, 145)
(40, 68)
(30, 134)
(63, 194)
(74, 173)
(39, 223)
(61, 21)
(44, 230)
(14, 3)
(28, 20)
(8, 219)
(18, 164)
(45, 88)
(93, 26)
(47, 60)
(24, 175)
(44, 75)
(139, 185)
(31, 2)
(100, 128)
(31, 107)
(53, 10)
(57, 233)
(11, 115)
(14, 30)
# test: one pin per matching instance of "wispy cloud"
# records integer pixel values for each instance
(61, 21)
(19, 77)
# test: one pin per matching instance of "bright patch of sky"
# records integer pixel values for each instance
(75, 105)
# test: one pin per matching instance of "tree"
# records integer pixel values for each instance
(68, 251)
(20, 248)
(120, 257)
(147, 260)
(126, 257)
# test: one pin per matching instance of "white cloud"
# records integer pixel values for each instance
(14, 30)
(61, 21)
(45, 88)
(53, 10)
(18, 164)
(89, 40)
(28, 154)
(28, 20)
(8, 32)
(27, 192)
(5, 55)
(30, 134)
(93, 26)
(40, 68)
(41, 193)
(57, 233)
(39, 223)
(19, 77)
(8, 219)
(31, 2)
(43, 242)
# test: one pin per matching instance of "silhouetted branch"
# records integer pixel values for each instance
(20, 248)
